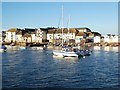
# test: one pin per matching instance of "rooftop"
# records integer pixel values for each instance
(12, 30)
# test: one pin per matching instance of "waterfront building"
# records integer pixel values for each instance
(69, 35)
(43, 34)
(29, 32)
(83, 29)
(111, 38)
(79, 37)
(19, 37)
(24, 35)
(27, 35)
(11, 35)
(97, 39)
(115, 39)
(37, 37)
(106, 39)
(51, 34)
(56, 35)
(3, 36)
(84, 33)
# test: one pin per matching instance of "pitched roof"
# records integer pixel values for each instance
(90, 33)
(27, 35)
(84, 28)
(51, 31)
(96, 33)
(12, 30)
(80, 34)
(59, 30)
(19, 32)
(66, 30)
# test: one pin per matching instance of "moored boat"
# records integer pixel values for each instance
(58, 53)
(71, 52)
(66, 52)
(22, 48)
(3, 48)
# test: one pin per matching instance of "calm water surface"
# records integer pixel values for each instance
(37, 68)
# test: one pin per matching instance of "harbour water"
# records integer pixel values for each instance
(39, 69)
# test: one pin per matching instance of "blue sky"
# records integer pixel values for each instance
(98, 16)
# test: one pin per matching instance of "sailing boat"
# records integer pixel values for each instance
(66, 51)
(70, 51)
(60, 52)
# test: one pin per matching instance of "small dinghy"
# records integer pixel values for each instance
(22, 48)
(3, 48)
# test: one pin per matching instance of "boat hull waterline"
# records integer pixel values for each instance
(66, 54)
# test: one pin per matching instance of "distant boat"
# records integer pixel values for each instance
(67, 52)
(58, 53)
(22, 48)
(3, 48)
(41, 48)
(71, 52)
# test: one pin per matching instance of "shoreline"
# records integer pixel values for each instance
(59, 47)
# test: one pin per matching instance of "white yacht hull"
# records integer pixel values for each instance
(58, 53)
(71, 54)
(65, 54)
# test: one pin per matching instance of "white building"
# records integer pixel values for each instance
(106, 39)
(11, 35)
(69, 35)
(37, 36)
(97, 39)
(79, 37)
(111, 38)
(57, 35)
(115, 39)
(51, 35)
(19, 38)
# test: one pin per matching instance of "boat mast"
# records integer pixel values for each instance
(62, 25)
(68, 29)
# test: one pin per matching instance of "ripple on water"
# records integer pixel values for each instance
(37, 68)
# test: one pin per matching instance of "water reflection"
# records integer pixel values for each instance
(106, 48)
(96, 47)
(38, 68)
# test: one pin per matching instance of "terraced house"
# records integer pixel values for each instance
(27, 35)
(69, 35)
(52, 35)
(11, 35)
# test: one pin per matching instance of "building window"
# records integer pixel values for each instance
(50, 36)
